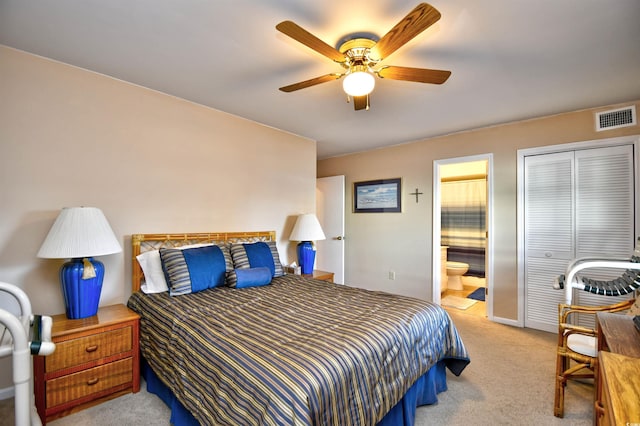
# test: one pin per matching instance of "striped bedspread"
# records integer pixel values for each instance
(298, 351)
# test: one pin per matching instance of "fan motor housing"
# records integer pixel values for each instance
(357, 51)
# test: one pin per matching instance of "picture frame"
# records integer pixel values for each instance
(378, 196)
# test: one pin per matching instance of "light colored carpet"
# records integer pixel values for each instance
(509, 382)
(457, 302)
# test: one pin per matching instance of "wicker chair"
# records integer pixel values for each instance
(577, 346)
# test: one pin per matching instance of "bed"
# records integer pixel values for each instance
(283, 348)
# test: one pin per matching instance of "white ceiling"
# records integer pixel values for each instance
(510, 59)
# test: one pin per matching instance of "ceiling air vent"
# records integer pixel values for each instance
(616, 118)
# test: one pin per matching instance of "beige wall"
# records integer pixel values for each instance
(151, 162)
(377, 243)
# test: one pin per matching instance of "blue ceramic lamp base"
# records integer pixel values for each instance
(81, 296)
(306, 256)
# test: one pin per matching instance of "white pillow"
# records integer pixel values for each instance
(154, 280)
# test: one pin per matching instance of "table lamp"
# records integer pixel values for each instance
(306, 230)
(79, 233)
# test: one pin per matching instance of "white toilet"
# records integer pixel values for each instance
(455, 271)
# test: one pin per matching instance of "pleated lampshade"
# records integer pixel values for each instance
(79, 232)
(307, 228)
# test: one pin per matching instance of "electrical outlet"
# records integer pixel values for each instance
(392, 275)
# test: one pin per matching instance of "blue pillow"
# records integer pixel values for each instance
(195, 269)
(249, 277)
(256, 255)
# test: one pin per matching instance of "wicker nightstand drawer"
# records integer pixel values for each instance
(86, 349)
(96, 359)
(94, 380)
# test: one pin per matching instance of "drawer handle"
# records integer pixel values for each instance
(92, 348)
(92, 382)
(599, 408)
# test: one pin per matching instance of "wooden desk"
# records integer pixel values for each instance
(617, 374)
(617, 333)
(619, 403)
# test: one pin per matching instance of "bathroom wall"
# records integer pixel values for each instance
(463, 192)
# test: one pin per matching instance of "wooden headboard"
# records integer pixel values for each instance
(141, 243)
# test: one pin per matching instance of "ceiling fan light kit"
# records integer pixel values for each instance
(358, 82)
(359, 56)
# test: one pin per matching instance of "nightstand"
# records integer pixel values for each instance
(96, 359)
(320, 275)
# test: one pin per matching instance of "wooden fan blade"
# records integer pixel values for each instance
(419, 19)
(361, 102)
(420, 75)
(311, 82)
(303, 36)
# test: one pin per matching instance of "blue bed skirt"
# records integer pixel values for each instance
(423, 392)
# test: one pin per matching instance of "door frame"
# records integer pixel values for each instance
(437, 209)
(550, 149)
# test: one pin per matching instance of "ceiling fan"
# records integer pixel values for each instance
(361, 56)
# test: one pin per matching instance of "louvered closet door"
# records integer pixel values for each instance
(549, 234)
(577, 204)
(604, 213)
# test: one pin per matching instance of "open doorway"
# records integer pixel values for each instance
(462, 260)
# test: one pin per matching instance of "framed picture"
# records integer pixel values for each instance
(377, 196)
